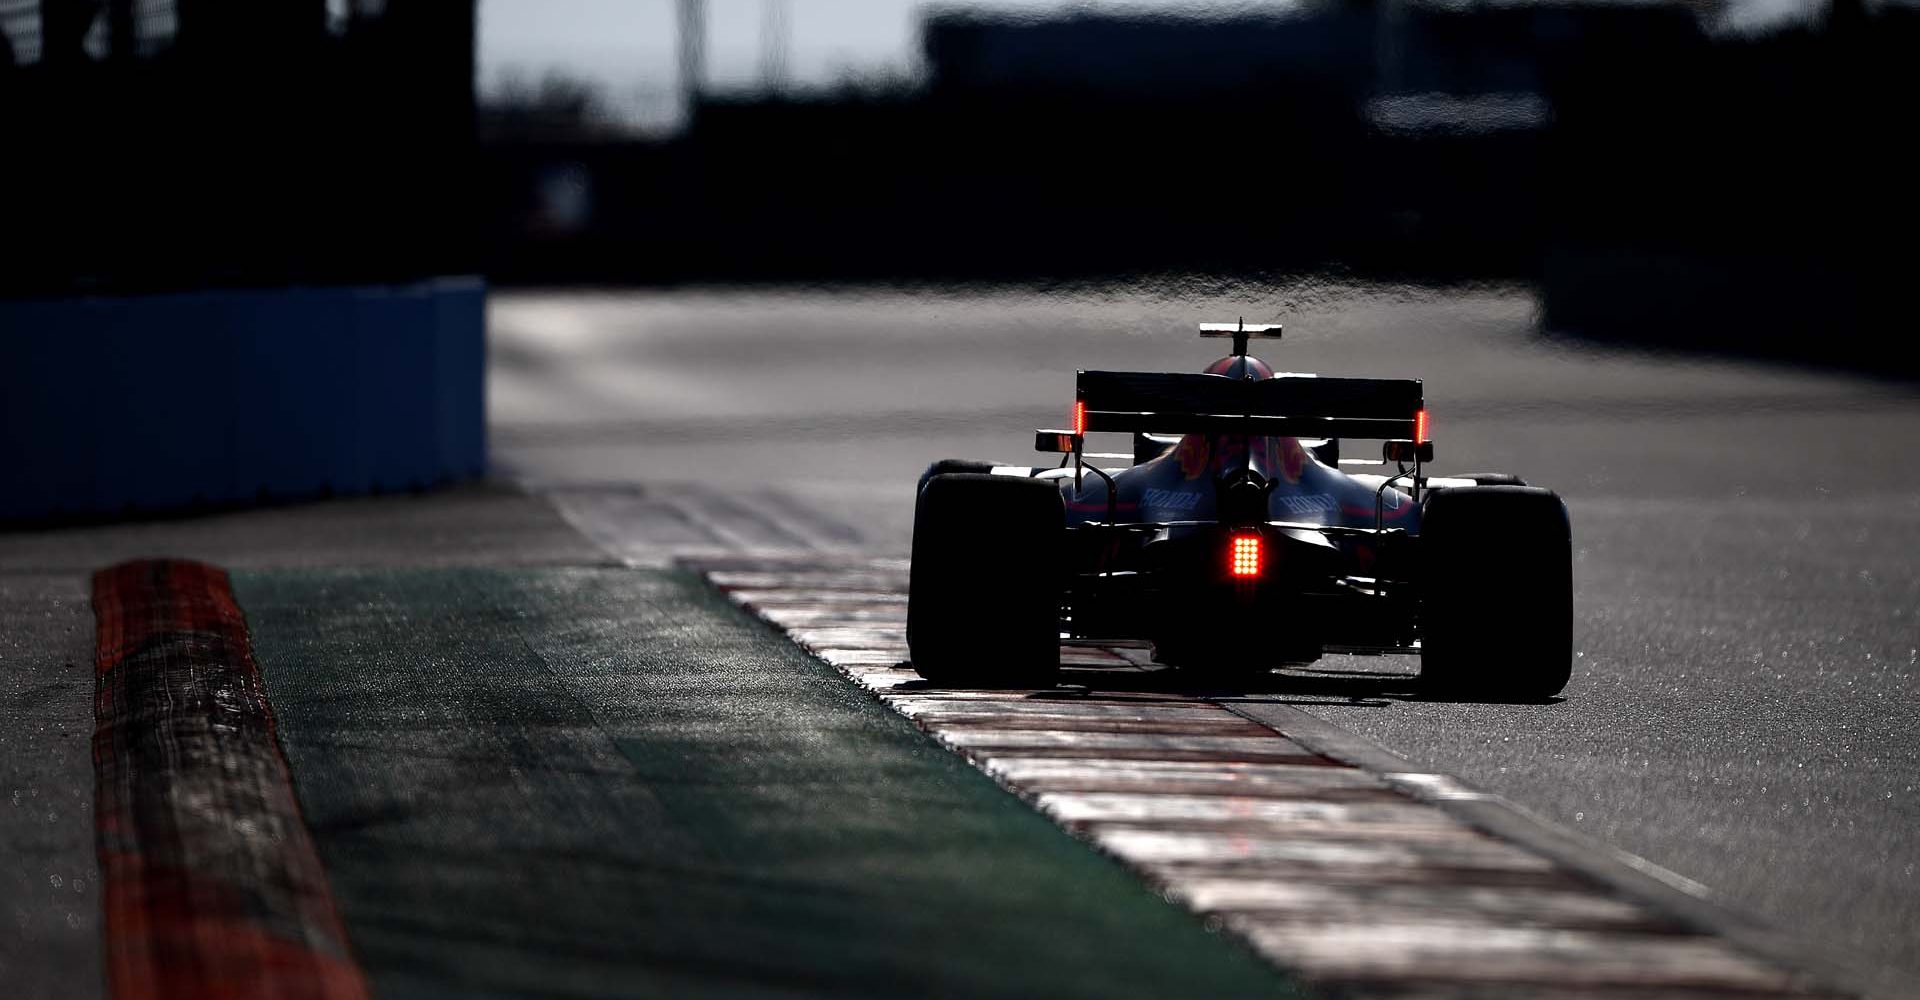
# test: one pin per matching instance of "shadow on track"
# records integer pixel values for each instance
(1303, 686)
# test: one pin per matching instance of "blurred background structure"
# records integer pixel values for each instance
(1717, 174)
(232, 252)
(1711, 172)
(156, 145)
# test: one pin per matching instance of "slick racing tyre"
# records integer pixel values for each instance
(983, 597)
(1491, 478)
(947, 466)
(1496, 610)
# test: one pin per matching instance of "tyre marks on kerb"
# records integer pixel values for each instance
(1349, 878)
(212, 888)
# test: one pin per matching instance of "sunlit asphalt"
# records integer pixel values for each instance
(1742, 710)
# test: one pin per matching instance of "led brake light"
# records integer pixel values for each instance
(1420, 427)
(1079, 417)
(1243, 559)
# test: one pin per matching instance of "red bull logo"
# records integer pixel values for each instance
(1192, 455)
(1291, 458)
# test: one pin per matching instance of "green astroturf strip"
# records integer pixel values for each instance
(599, 782)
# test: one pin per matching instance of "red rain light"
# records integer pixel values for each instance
(1243, 559)
(1420, 427)
(1079, 417)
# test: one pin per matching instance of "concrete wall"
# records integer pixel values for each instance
(162, 402)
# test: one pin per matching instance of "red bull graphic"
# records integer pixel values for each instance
(1192, 454)
(1287, 458)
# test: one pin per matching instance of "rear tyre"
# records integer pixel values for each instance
(948, 466)
(1491, 478)
(1496, 611)
(983, 595)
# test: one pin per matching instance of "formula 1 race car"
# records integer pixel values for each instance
(1236, 542)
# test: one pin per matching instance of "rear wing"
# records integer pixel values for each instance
(1285, 405)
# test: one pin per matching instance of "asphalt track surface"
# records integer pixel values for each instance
(1742, 707)
(48, 884)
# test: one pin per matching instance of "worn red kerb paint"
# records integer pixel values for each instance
(212, 888)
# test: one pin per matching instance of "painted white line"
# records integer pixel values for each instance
(652, 525)
(696, 514)
(1433, 786)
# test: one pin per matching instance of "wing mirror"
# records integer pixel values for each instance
(1407, 451)
(1057, 442)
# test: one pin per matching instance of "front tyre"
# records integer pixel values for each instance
(1496, 610)
(983, 595)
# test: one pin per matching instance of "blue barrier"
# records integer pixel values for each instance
(161, 402)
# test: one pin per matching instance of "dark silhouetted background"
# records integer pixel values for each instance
(1657, 175)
